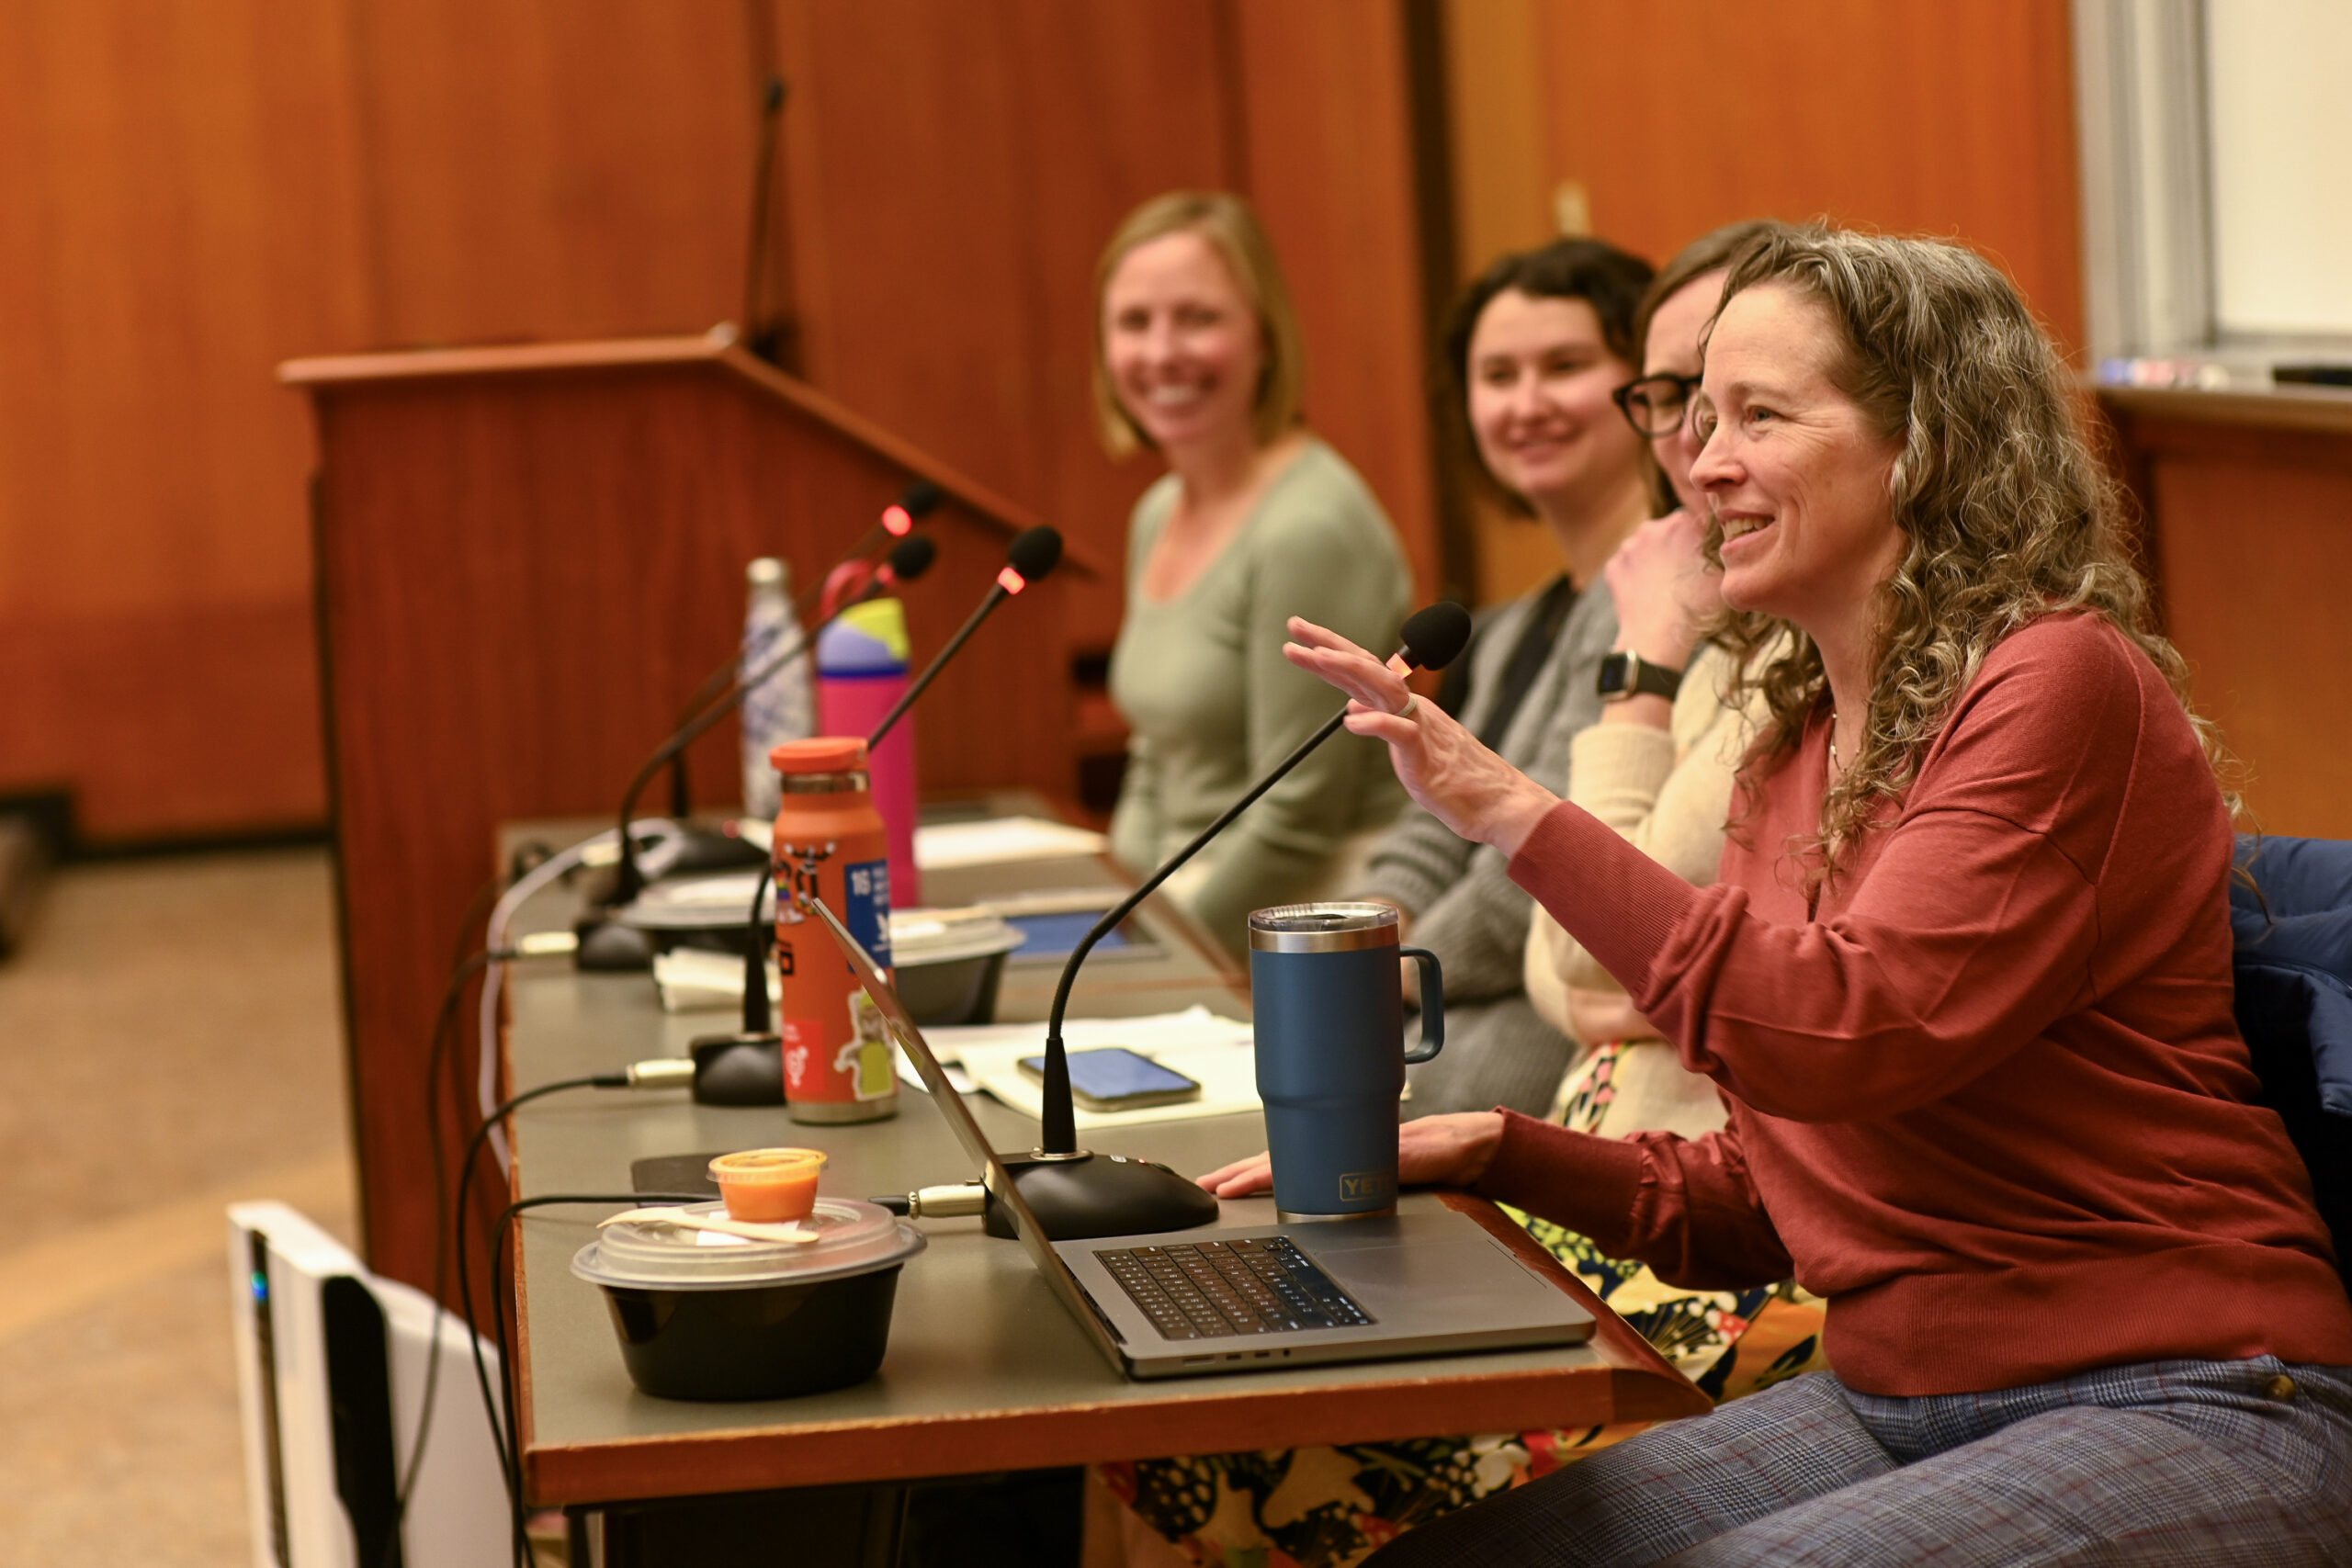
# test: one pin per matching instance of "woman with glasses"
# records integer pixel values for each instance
(1657, 766)
(1964, 979)
(1531, 351)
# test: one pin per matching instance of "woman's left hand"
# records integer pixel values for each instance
(1664, 588)
(1441, 764)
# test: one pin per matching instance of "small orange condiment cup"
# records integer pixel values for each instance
(768, 1185)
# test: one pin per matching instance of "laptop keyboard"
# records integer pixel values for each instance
(1212, 1289)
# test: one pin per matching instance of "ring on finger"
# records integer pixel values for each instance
(1411, 702)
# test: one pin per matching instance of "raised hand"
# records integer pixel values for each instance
(1441, 764)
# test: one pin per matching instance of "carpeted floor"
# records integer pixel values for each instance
(172, 1042)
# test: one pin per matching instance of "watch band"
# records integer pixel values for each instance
(1624, 674)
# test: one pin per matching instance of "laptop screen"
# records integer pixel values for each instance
(951, 1105)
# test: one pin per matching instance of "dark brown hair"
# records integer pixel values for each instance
(1712, 251)
(1608, 280)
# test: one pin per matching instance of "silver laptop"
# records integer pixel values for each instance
(1427, 1282)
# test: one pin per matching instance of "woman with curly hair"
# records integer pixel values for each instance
(1964, 980)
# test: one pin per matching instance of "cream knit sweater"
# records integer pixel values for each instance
(1668, 793)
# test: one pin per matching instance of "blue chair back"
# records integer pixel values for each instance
(2294, 931)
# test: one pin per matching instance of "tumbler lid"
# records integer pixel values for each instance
(1322, 928)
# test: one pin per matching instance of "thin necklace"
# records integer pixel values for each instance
(1833, 741)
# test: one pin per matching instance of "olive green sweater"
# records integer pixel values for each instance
(1212, 703)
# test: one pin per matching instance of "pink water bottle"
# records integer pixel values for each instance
(861, 672)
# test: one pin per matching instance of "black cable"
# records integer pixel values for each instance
(498, 1294)
(464, 966)
(443, 1041)
(444, 1038)
(757, 939)
(477, 911)
(509, 1455)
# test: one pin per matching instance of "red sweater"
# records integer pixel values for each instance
(1988, 1098)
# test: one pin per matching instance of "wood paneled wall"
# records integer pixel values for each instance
(197, 192)
(178, 218)
(1952, 121)
(955, 171)
(2247, 497)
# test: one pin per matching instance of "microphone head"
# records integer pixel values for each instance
(921, 498)
(911, 557)
(1434, 637)
(1034, 552)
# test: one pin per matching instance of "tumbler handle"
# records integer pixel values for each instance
(1432, 1003)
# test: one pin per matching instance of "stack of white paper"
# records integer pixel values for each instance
(1002, 839)
(694, 980)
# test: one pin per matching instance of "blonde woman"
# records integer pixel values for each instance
(1198, 361)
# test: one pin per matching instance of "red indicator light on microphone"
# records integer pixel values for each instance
(1010, 581)
(897, 521)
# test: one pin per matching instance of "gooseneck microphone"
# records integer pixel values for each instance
(603, 944)
(1084, 1196)
(1034, 553)
(766, 338)
(747, 1066)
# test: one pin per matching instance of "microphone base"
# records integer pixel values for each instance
(738, 1069)
(702, 850)
(607, 946)
(1098, 1195)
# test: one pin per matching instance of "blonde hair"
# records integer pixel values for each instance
(2006, 515)
(1234, 233)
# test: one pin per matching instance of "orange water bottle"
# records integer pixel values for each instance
(830, 843)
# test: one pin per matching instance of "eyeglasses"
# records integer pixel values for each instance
(1656, 405)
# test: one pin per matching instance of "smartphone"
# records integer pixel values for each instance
(1111, 1078)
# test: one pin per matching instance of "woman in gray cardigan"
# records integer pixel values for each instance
(1534, 347)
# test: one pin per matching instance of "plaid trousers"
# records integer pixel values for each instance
(2234, 1464)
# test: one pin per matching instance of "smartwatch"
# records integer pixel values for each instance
(1624, 676)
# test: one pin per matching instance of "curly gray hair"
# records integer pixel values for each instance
(2006, 514)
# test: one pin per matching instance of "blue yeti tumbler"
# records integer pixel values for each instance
(1329, 1014)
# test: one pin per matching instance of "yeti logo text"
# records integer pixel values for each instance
(1367, 1187)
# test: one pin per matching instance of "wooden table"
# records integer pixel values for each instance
(986, 1372)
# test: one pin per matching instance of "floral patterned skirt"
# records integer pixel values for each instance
(1331, 1507)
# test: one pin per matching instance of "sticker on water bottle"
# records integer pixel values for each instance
(867, 1063)
(866, 899)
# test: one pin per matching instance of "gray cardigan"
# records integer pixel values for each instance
(1466, 908)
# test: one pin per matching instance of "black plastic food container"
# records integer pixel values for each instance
(710, 1317)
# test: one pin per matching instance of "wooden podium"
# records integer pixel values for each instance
(526, 559)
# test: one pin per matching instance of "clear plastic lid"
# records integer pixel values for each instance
(852, 1237)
